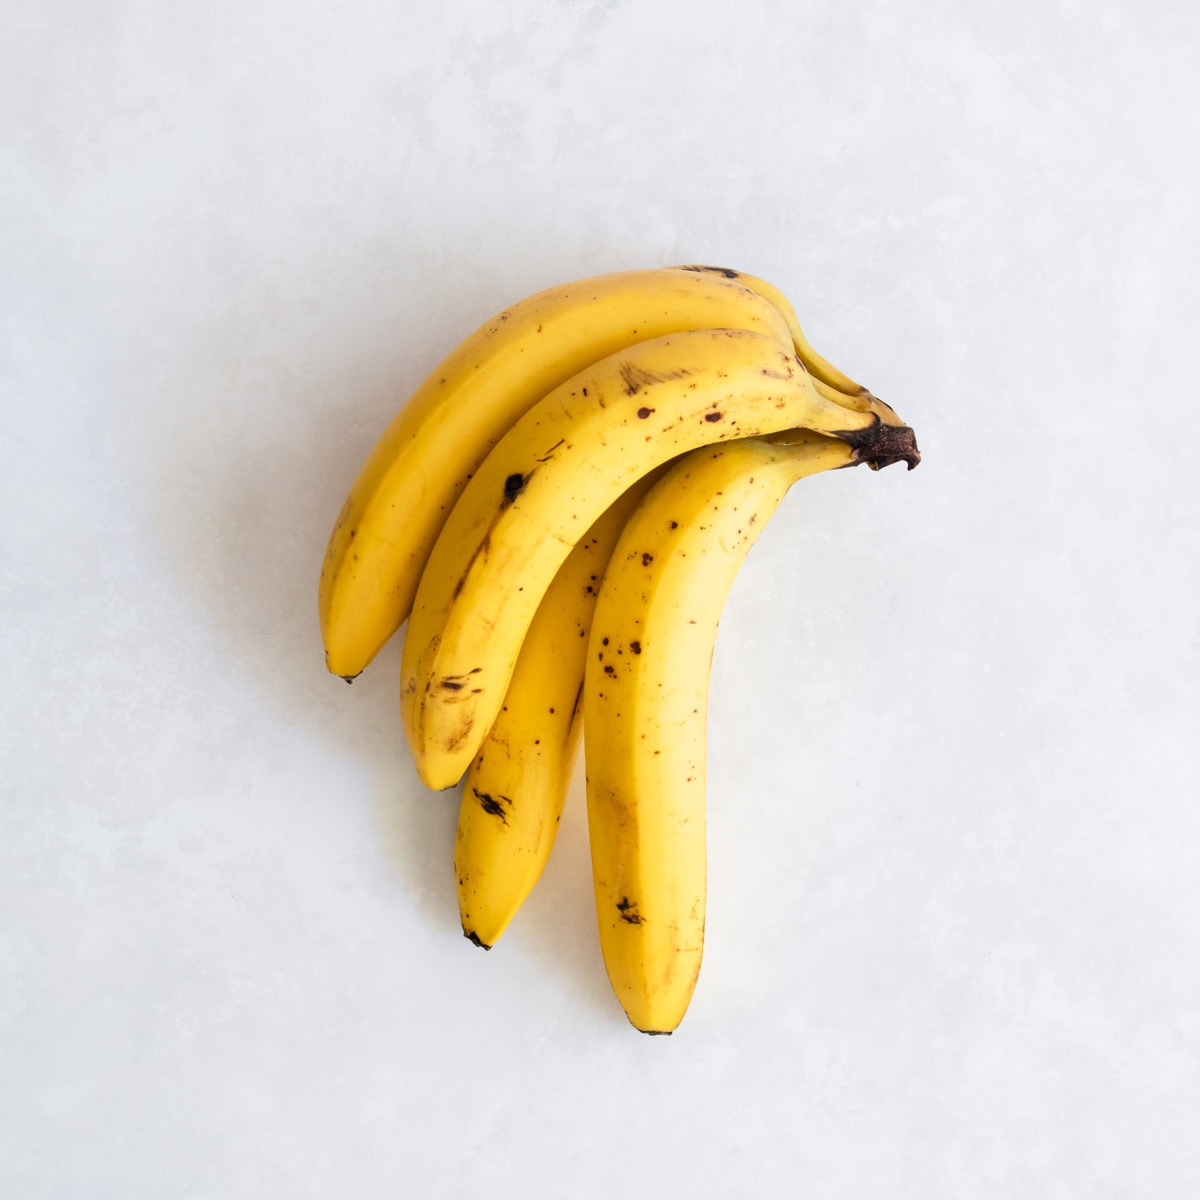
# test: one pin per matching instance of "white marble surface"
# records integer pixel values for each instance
(955, 900)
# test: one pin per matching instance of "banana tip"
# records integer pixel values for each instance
(333, 670)
(475, 939)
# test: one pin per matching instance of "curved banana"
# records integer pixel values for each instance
(646, 701)
(514, 791)
(552, 475)
(835, 385)
(389, 521)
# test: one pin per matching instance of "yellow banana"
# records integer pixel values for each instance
(515, 789)
(646, 701)
(413, 476)
(552, 475)
(835, 385)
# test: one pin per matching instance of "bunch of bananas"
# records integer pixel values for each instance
(558, 513)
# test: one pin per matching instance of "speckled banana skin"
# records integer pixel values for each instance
(551, 476)
(418, 468)
(646, 703)
(516, 786)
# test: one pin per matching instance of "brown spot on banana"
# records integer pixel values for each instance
(481, 551)
(514, 485)
(455, 683)
(494, 806)
(637, 378)
(455, 737)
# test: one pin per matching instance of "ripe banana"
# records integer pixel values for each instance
(646, 702)
(410, 481)
(514, 791)
(552, 475)
(637, 428)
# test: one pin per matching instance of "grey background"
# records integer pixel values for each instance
(955, 864)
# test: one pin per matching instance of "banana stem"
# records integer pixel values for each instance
(880, 445)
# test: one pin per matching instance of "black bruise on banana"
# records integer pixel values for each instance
(456, 683)
(494, 806)
(628, 910)
(514, 485)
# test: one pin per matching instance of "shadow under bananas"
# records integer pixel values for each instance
(267, 415)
